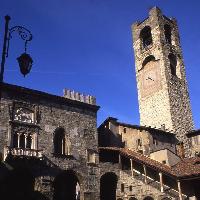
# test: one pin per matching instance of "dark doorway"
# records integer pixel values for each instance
(66, 186)
(108, 186)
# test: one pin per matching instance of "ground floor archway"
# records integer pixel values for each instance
(108, 186)
(148, 198)
(66, 186)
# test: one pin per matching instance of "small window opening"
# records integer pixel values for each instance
(125, 143)
(146, 36)
(29, 142)
(91, 156)
(124, 130)
(167, 29)
(173, 63)
(22, 141)
(122, 187)
(155, 141)
(130, 188)
(15, 140)
(139, 142)
(164, 162)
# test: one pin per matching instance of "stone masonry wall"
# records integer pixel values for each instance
(170, 104)
(79, 123)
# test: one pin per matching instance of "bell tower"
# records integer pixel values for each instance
(161, 81)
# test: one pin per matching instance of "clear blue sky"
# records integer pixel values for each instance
(86, 45)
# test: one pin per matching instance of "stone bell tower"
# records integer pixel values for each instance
(162, 87)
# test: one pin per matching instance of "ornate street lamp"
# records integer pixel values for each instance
(25, 61)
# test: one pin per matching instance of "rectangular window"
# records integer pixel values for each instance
(198, 139)
(91, 156)
(122, 187)
(124, 130)
(130, 188)
(139, 143)
(195, 140)
(125, 143)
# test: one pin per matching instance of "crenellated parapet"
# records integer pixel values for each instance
(71, 94)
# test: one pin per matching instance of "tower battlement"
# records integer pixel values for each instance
(71, 94)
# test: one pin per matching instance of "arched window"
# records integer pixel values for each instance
(173, 63)
(22, 141)
(15, 140)
(148, 59)
(29, 142)
(108, 186)
(168, 33)
(67, 186)
(146, 36)
(59, 141)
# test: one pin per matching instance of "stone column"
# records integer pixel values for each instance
(120, 161)
(33, 141)
(145, 174)
(18, 139)
(179, 190)
(131, 160)
(25, 140)
(161, 182)
(63, 150)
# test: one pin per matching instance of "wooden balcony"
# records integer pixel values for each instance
(22, 152)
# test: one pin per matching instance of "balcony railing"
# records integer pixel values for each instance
(22, 152)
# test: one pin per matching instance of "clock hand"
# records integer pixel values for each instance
(149, 78)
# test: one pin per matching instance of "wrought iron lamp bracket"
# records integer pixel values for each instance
(24, 33)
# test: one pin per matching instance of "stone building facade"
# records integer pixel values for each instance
(58, 133)
(51, 149)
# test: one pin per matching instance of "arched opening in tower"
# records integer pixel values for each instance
(108, 186)
(173, 63)
(146, 36)
(66, 186)
(167, 31)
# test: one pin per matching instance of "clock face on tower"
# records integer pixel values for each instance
(150, 78)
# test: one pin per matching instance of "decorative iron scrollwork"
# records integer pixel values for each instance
(24, 33)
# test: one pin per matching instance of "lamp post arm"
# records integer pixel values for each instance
(4, 51)
(24, 33)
